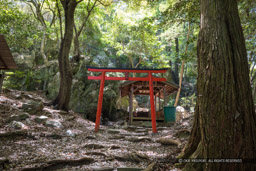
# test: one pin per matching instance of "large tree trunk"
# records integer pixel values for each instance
(63, 97)
(225, 110)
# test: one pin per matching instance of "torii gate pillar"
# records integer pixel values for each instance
(99, 108)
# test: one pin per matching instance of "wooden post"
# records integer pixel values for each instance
(131, 105)
(1, 81)
(165, 96)
(155, 101)
(153, 112)
(159, 103)
(97, 122)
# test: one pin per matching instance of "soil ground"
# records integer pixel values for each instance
(75, 145)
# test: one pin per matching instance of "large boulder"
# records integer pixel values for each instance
(53, 86)
(84, 97)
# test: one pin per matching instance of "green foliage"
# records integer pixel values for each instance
(175, 11)
(133, 37)
(18, 27)
(247, 9)
(189, 101)
(22, 80)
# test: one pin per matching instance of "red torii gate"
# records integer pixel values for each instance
(149, 78)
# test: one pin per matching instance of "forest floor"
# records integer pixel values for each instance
(34, 136)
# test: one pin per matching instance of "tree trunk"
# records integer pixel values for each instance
(63, 97)
(176, 64)
(180, 83)
(76, 52)
(79, 31)
(182, 69)
(254, 94)
(43, 45)
(225, 109)
(76, 46)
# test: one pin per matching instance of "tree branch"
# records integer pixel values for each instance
(140, 60)
(103, 3)
(79, 1)
(53, 14)
(41, 6)
(86, 18)
(31, 9)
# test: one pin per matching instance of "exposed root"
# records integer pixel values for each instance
(96, 153)
(151, 167)
(133, 157)
(94, 146)
(138, 139)
(58, 164)
(15, 134)
(113, 147)
(193, 166)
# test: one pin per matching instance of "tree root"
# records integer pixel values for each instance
(57, 164)
(151, 167)
(190, 166)
(15, 134)
(96, 153)
(133, 157)
(113, 147)
(94, 146)
(138, 139)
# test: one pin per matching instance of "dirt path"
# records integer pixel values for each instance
(71, 143)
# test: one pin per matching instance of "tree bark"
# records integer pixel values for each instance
(225, 109)
(176, 63)
(254, 93)
(180, 83)
(63, 98)
(76, 46)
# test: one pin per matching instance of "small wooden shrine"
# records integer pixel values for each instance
(162, 90)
